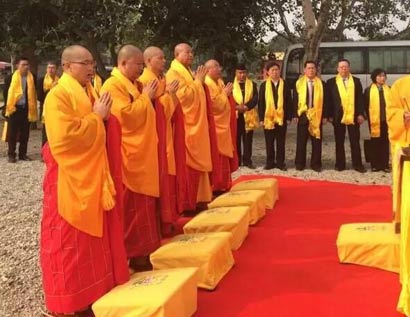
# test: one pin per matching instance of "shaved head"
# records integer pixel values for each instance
(78, 62)
(72, 52)
(211, 63)
(154, 59)
(126, 52)
(184, 54)
(130, 61)
(214, 69)
(152, 51)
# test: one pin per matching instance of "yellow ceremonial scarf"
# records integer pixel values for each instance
(97, 83)
(374, 108)
(221, 109)
(49, 82)
(273, 116)
(16, 92)
(76, 136)
(250, 116)
(347, 98)
(313, 114)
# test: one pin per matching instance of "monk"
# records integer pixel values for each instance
(134, 109)
(398, 121)
(82, 254)
(221, 110)
(191, 95)
(167, 110)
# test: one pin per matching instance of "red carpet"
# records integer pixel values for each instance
(288, 266)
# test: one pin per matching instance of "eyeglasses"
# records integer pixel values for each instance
(85, 63)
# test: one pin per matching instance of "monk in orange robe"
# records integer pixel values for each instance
(166, 104)
(82, 253)
(221, 110)
(133, 107)
(191, 95)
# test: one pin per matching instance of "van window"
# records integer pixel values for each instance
(356, 58)
(395, 60)
(295, 62)
(328, 58)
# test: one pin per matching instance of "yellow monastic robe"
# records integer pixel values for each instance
(169, 108)
(139, 148)
(191, 96)
(399, 135)
(76, 136)
(221, 110)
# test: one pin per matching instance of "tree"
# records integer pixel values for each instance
(310, 21)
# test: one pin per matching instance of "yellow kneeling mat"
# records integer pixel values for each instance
(370, 244)
(255, 199)
(269, 185)
(223, 219)
(210, 252)
(166, 293)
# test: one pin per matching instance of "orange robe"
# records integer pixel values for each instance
(82, 255)
(136, 115)
(191, 96)
(165, 107)
(221, 110)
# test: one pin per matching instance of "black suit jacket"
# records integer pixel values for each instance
(333, 107)
(303, 119)
(254, 100)
(287, 102)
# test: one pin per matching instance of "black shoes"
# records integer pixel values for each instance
(282, 167)
(269, 167)
(317, 169)
(360, 169)
(25, 158)
(12, 159)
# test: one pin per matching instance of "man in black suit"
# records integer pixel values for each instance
(44, 85)
(245, 94)
(275, 111)
(345, 109)
(309, 102)
(20, 98)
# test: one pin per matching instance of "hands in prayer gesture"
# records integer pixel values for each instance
(201, 73)
(151, 88)
(103, 105)
(172, 87)
(228, 89)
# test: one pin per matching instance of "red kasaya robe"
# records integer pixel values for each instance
(78, 268)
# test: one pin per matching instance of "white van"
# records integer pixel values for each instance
(364, 57)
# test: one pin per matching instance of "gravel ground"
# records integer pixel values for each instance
(20, 212)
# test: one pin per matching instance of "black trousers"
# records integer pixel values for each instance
(301, 144)
(354, 138)
(381, 148)
(18, 126)
(278, 136)
(245, 138)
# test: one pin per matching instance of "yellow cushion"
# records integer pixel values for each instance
(369, 244)
(255, 199)
(230, 219)
(210, 252)
(166, 293)
(269, 185)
